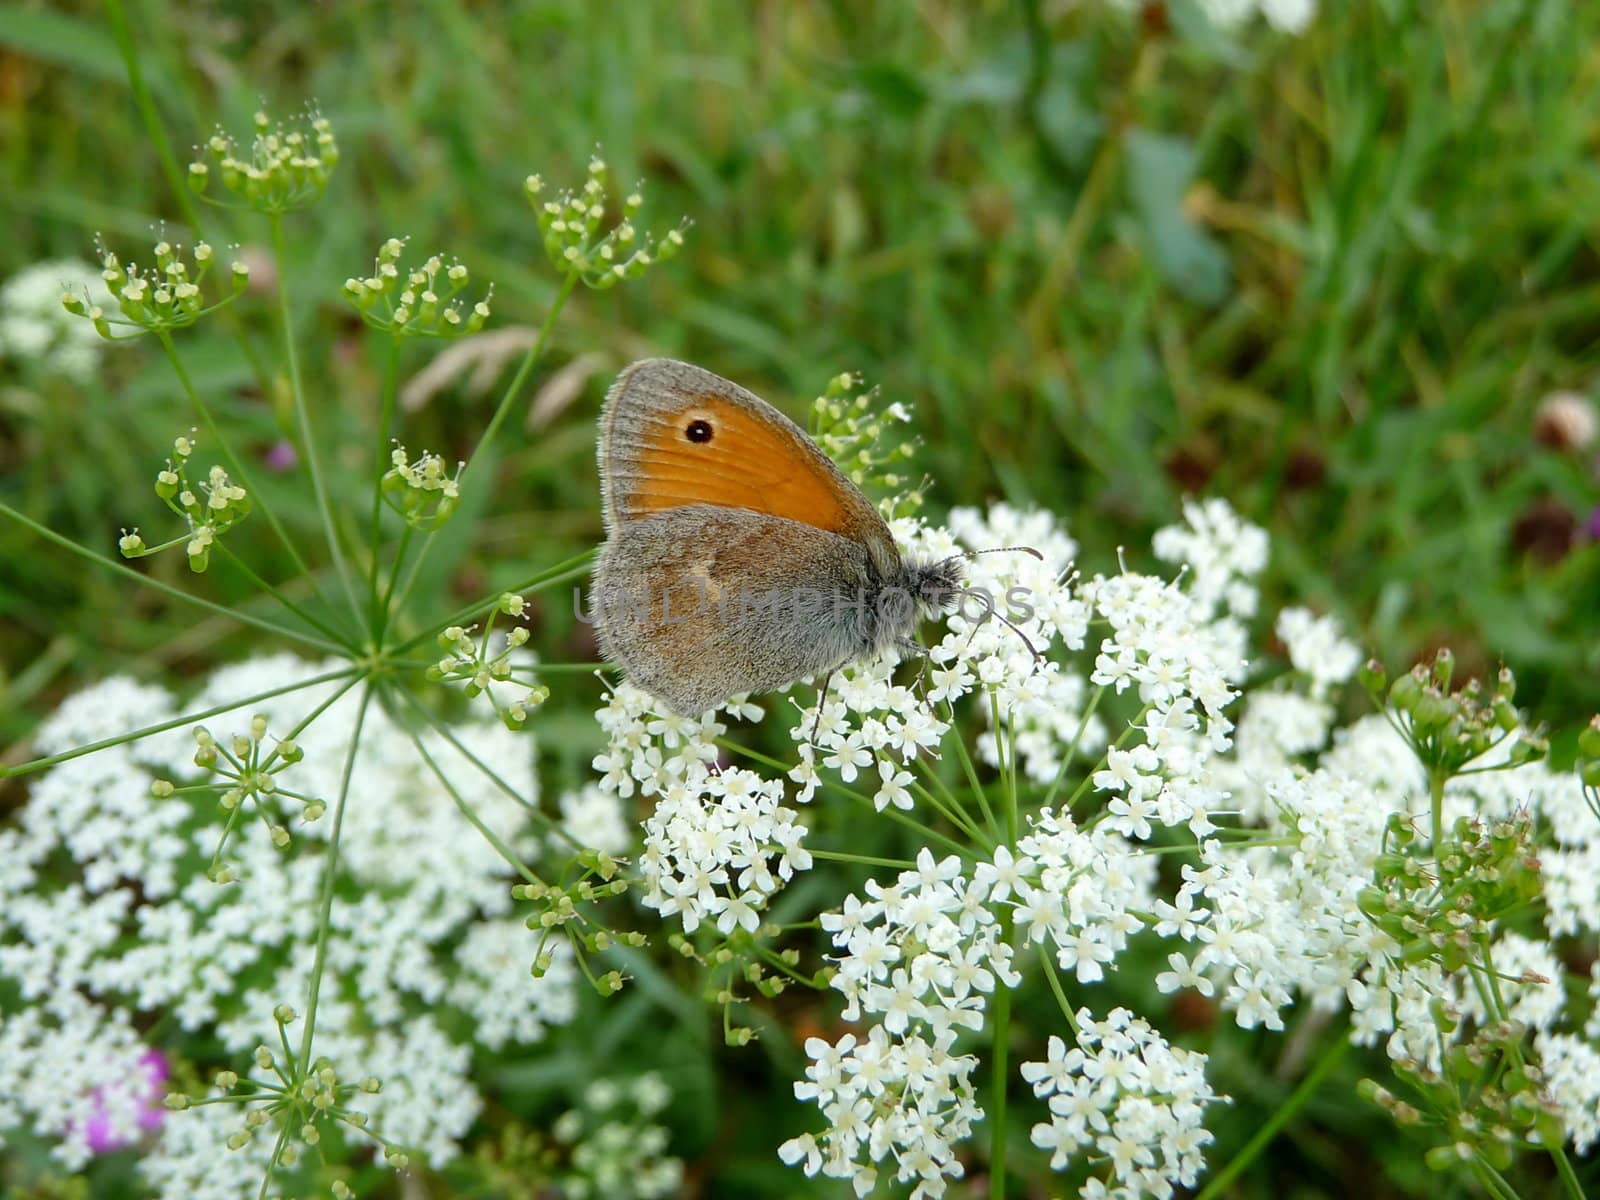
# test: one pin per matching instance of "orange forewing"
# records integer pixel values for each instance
(746, 463)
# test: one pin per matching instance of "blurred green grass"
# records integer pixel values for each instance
(1107, 262)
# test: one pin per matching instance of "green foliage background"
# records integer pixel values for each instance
(1109, 259)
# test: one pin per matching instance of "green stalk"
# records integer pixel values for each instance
(552, 827)
(999, 1130)
(513, 389)
(313, 459)
(40, 764)
(111, 564)
(1002, 1043)
(971, 772)
(276, 594)
(1436, 781)
(523, 371)
(1331, 1057)
(866, 860)
(502, 848)
(391, 377)
(575, 567)
(1072, 749)
(330, 876)
(147, 113)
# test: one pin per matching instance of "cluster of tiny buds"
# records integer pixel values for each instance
(471, 659)
(1507, 1106)
(423, 492)
(856, 431)
(734, 963)
(558, 910)
(571, 223)
(420, 302)
(1446, 901)
(289, 1095)
(209, 507)
(250, 769)
(156, 299)
(286, 168)
(1446, 729)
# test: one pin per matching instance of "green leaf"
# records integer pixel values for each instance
(1189, 259)
(55, 37)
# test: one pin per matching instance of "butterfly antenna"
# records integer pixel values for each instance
(991, 611)
(997, 550)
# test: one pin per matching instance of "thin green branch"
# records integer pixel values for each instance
(391, 376)
(250, 574)
(1281, 1116)
(513, 389)
(303, 417)
(501, 847)
(40, 764)
(329, 879)
(111, 564)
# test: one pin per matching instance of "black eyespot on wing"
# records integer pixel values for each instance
(698, 431)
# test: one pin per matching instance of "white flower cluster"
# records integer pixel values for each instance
(1126, 1095)
(919, 956)
(35, 328)
(420, 921)
(719, 843)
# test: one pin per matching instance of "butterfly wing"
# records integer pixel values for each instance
(702, 602)
(673, 434)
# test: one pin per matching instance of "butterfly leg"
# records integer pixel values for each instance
(822, 700)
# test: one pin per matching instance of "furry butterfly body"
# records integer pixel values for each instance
(738, 558)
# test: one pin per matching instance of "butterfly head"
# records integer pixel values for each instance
(935, 586)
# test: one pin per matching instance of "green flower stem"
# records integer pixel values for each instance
(958, 813)
(391, 377)
(523, 371)
(860, 797)
(1495, 1002)
(147, 113)
(244, 567)
(1088, 776)
(1493, 1182)
(235, 463)
(386, 605)
(40, 764)
(513, 390)
(330, 875)
(950, 812)
(971, 772)
(1331, 1057)
(502, 848)
(869, 860)
(999, 1130)
(306, 721)
(1072, 749)
(111, 564)
(1436, 781)
(297, 390)
(1054, 978)
(551, 827)
(999, 1067)
(272, 1163)
(573, 568)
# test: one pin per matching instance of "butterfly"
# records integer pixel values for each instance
(738, 557)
